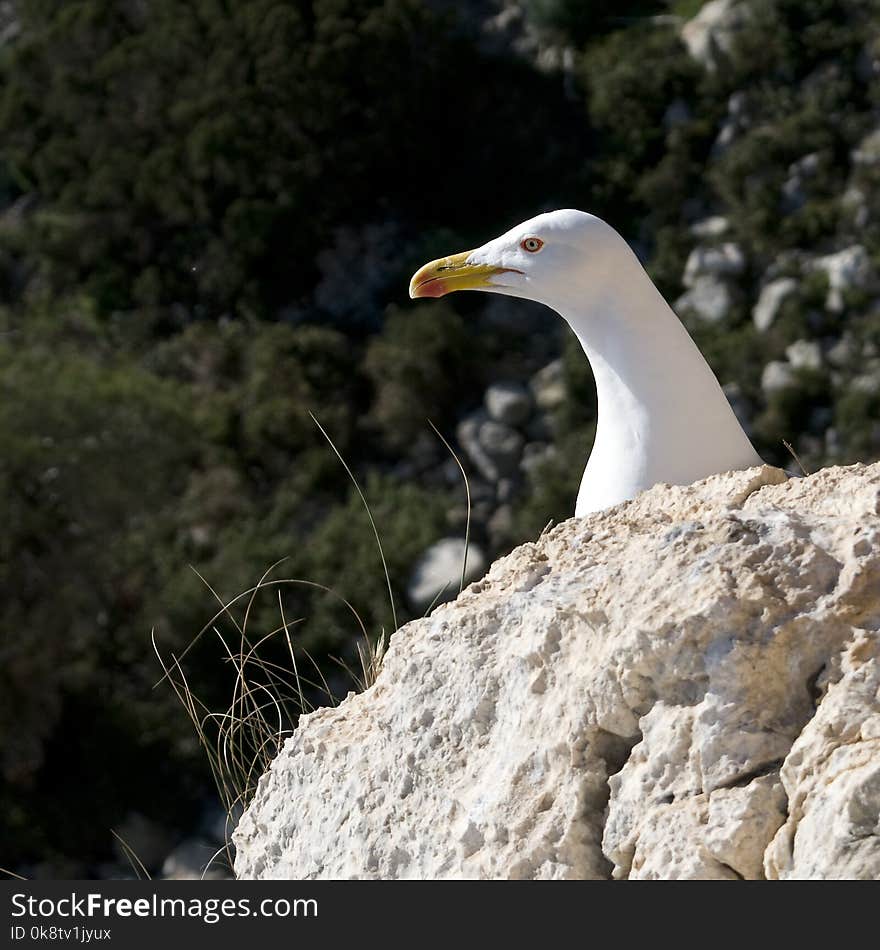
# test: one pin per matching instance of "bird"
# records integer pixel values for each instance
(662, 414)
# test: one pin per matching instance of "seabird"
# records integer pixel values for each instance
(662, 415)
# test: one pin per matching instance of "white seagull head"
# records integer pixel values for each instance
(552, 258)
(662, 416)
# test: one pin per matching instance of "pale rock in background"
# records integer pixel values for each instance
(715, 226)
(770, 301)
(436, 576)
(548, 386)
(723, 260)
(709, 298)
(710, 34)
(804, 354)
(508, 402)
(777, 375)
(847, 270)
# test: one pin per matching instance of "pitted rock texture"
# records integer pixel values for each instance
(684, 686)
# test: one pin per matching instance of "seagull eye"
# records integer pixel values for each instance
(531, 244)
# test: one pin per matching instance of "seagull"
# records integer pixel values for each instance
(662, 415)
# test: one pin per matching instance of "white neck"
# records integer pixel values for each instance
(662, 415)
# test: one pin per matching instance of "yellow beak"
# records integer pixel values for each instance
(452, 273)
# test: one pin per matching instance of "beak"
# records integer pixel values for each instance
(453, 273)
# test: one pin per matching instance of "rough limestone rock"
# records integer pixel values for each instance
(684, 686)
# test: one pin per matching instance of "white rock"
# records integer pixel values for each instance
(737, 105)
(868, 382)
(853, 198)
(804, 354)
(844, 351)
(849, 269)
(709, 298)
(683, 686)
(770, 300)
(548, 386)
(725, 260)
(777, 375)
(494, 448)
(508, 402)
(807, 165)
(867, 152)
(832, 773)
(741, 820)
(710, 34)
(503, 444)
(727, 133)
(734, 123)
(195, 860)
(10, 25)
(715, 226)
(438, 572)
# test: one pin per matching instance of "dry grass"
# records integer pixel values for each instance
(796, 457)
(268, 697)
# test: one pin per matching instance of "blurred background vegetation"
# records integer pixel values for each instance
(209, 213)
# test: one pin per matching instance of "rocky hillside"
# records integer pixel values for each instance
(685, 686)
(209, 214)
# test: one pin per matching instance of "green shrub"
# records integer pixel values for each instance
(554, 484)
(203, 153)
(422, 365)
(93, 460)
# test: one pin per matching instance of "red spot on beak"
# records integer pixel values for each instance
(435, 287)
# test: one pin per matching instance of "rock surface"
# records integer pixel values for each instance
(710, 34)
(776, 376)
(436, 576)
(548, 386)
(710, 299)
(508, 402)
(804, 354)
(770, 301)
(494, 448)
(726, 260)
(847, 270)
(684, 686)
